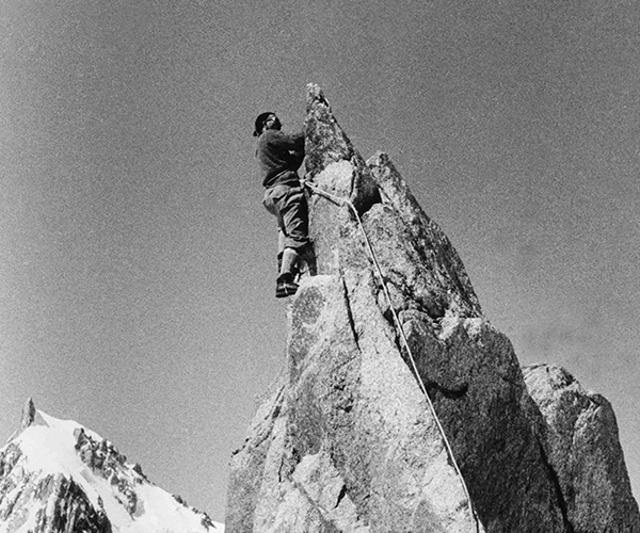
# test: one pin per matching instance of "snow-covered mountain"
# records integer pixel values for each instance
(57, 476)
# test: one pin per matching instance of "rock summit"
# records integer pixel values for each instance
(402, 409)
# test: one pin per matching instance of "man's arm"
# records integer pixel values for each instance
(296, 158)
(297, 153)
(291, 142)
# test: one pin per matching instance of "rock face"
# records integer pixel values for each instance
(59, 477)
(584, 450)
(349, 441)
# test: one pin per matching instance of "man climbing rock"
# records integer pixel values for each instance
(280, 155)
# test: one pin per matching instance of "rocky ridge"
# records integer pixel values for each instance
(348, 442)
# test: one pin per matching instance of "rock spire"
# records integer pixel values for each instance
(348, 441)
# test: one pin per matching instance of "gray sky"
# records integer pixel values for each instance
(137, 263)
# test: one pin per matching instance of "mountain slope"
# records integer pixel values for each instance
(57, 476)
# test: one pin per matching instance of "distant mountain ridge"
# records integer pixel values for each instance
(57, 476)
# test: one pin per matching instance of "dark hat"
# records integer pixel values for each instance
(262, 118)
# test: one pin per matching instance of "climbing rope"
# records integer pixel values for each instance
(345, 202)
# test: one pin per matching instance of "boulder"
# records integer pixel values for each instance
(584, 450)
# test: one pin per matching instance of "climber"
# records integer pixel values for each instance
(279, 156)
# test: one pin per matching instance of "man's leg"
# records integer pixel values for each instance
(295, 218)
(280, 249)
(289, 205)
(294, 214)
(289, 261)
(274, 199)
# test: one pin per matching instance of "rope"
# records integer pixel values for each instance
(342, 202)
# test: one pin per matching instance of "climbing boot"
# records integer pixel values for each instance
(285, 285)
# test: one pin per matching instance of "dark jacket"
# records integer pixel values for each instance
(279, 155)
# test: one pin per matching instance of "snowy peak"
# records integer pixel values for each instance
(56, 475)
(29, 417)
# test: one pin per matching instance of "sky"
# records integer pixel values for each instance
(137, 264)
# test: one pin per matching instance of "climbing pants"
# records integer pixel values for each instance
(289, 205)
